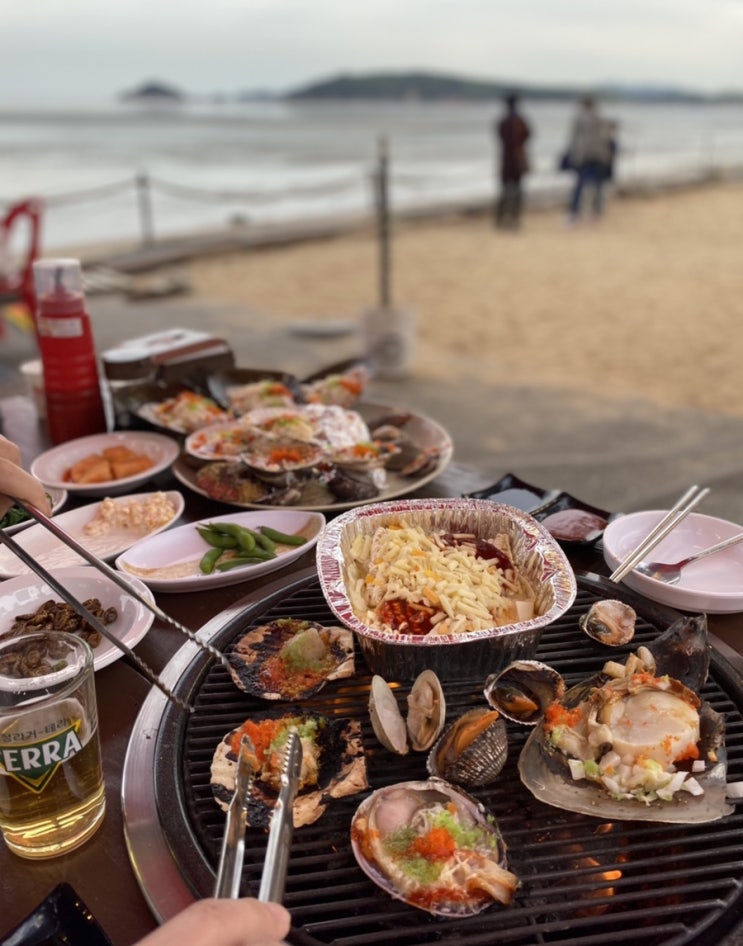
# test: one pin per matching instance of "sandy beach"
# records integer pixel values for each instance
(644, 302)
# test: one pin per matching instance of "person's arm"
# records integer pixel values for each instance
(211, 922)
(16, 483)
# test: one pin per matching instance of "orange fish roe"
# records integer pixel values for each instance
(437, 845)
(261, 734)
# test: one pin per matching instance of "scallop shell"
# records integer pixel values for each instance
(523, 690)
(473, 750)
(386, 719)
(426, 711)
(465, 887)
(279, 460)
(609, 622)
(291, 659)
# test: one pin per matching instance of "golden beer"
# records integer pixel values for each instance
(52, 795)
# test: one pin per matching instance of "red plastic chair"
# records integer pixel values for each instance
(17, 278)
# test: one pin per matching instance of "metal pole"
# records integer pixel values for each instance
(144, 199)
(383, 225)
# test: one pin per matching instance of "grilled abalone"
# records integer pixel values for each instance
(433, 847)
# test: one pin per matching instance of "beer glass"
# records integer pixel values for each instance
(52, 794)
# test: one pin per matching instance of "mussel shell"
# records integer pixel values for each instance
(472, 750)
(609, 622)
(256, 667)
(683, 651)
(365, 835)
(426, 711)
(523, 690)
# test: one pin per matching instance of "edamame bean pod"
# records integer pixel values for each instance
(229, 563)
(219, 540)
(209, 560)
(282, 538)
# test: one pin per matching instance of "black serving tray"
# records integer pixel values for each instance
(61, 919)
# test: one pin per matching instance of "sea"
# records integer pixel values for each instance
(113, 172)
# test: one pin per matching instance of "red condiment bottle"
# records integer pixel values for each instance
(74, 403)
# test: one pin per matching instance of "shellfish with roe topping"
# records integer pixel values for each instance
(637, 744)
(609, 622)
(433, 847)
(473, 750)
(291, 659)
(333, 764)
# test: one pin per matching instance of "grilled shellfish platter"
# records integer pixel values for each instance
(314, 456)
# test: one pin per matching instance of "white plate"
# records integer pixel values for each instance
(185, 547)
(50, 467)
(26, 593)
(52, 553)
(714, 584)
(58, 498)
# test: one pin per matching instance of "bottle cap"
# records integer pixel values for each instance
(61, 277)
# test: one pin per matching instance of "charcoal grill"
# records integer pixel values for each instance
(583, 880)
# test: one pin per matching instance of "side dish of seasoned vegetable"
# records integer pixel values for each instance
(236, 546)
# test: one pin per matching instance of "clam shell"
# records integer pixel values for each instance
(459, 891)
(426, 710)
(609, 622)
(473, 750)
(386, 719)
(523, 690)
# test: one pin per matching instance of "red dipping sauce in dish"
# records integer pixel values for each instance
(574, 525)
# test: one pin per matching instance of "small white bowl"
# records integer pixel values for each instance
(50, 467)
(713, 584)
(26, 593)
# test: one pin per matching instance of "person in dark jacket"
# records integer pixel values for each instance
(512, 133)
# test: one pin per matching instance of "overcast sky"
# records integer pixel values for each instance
(55, 49)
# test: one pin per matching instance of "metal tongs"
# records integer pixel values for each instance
(117, 579)
(273, 878)
(678, 512)
(233, 842)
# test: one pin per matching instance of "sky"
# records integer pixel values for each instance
(95, 49)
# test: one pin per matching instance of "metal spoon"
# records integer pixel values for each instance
(670, 572)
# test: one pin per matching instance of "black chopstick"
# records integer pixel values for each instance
(116, 578)
(91, 619)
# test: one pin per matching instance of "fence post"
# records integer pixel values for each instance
(383, 224)
(144, 200)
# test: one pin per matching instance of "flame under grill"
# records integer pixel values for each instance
(583, 880)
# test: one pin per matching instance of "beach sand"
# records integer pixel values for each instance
(643, 303)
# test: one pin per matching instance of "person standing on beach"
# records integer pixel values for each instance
(590, 155)
(512, 133)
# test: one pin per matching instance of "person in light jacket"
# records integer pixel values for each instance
(591, 154)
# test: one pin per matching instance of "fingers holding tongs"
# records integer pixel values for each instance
(678, 512)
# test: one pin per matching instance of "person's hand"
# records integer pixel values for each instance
(15, 482)
(212, 922)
